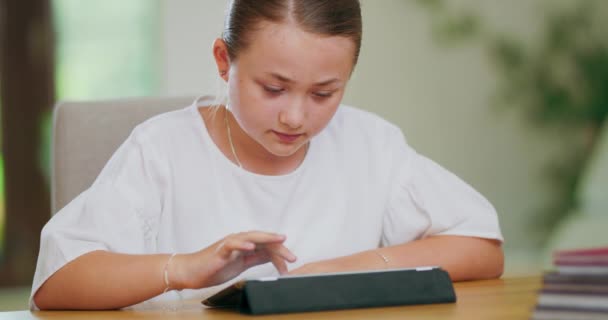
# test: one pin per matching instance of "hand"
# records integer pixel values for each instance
(228, 258)
(356, 262)
(316, 268)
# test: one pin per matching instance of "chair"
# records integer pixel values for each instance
(86, 134)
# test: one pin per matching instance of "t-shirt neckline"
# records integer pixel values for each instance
(206, 101)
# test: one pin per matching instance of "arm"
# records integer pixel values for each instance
(103, 280)
(106, 280)
(464, 258)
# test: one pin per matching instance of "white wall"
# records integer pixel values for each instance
(440, 98)
(190, 26)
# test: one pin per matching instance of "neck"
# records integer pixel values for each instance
(253, 156)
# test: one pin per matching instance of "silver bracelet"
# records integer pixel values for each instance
(384, 258)
(166, 273)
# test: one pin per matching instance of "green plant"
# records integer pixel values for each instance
(561, 83)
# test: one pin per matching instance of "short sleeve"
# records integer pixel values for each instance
(426, 199)
(118, 213)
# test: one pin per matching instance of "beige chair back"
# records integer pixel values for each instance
(86, 134)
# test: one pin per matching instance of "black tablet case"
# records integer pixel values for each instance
(337, 291)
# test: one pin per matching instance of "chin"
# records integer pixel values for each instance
(284, 150)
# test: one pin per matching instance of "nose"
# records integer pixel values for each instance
(293, 114)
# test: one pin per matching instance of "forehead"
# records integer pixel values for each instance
(296, 53)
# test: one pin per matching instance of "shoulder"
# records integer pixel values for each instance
(149, 143)
(165, 127)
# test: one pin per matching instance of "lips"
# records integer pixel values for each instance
(287, 138)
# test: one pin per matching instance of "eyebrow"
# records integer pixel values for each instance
(287, 80)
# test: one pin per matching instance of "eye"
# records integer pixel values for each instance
(323, 94)
(273, 89)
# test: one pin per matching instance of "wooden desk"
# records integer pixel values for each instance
(511, 298)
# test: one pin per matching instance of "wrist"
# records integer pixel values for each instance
(381, 257)
(176, 278)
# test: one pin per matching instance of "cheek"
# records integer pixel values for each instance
(254, 112)
(251, 97)
(321, 116)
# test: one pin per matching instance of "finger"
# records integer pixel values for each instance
(281, 250)
(279, 263)
(261, 237)
(257, 258)
(247, 241)
(265, 256)
(229, 245)
(240, 244)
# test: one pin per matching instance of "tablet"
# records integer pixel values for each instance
(331, 291)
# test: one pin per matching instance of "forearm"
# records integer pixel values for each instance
(464, 258)
(103, 280)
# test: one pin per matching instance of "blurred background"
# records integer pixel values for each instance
(509, 95)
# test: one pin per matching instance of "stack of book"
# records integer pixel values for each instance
(578, 288)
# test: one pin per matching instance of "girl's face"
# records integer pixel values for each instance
(287, 84)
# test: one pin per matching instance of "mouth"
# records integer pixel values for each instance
(287, 138)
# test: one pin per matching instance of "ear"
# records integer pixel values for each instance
(222, 60)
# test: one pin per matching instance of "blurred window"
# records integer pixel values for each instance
(104, 49)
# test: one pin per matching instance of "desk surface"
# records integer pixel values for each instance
(510, 298)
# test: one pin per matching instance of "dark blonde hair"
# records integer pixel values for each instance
(324, 17)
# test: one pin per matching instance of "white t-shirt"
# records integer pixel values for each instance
(169, 188)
